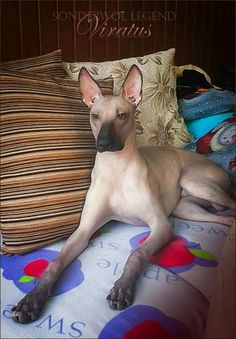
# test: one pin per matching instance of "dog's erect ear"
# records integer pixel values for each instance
(89, 88)
(132, 88)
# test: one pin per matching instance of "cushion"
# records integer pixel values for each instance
(212, 102)
(219, 145)
(47, 152)
(158, 120)
(50, 63)
(199, 127)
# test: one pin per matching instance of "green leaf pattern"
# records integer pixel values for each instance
(26, 279)
(202, 254)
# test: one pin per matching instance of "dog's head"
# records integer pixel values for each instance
(112, 117)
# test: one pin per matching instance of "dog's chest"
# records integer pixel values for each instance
(128, 202)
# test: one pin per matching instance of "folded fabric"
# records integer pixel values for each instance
(219, 145)
(199, 127)
(212, 102)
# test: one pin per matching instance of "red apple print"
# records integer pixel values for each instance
(36, 268)
(176, 253)
(148, 329)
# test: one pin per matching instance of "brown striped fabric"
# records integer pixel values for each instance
(47, 152)
(50, 64)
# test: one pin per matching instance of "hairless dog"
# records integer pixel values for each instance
(139, 186)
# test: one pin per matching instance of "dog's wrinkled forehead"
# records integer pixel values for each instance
(111, 105)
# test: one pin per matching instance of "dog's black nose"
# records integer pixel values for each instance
(104, 145)
(105, 136)
(108, 140)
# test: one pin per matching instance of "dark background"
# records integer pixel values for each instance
(202, 33)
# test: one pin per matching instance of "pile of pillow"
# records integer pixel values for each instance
(48, 147)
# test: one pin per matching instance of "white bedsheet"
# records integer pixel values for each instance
(169, 300)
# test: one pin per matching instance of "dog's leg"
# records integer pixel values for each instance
(208, 183)
(122, 294)
(29, 308)
(93, 217)
(189, 208)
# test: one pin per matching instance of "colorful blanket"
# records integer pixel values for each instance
(172, 296)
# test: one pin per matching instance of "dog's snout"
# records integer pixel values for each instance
(108, 140)
(104, 140)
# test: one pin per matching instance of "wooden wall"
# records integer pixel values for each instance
(201, 31)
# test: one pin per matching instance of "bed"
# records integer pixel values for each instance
(177, 287)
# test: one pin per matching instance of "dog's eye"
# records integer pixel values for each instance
(94, 116)
(121, 116)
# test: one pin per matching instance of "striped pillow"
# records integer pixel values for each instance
(50, 64)
(47, 155)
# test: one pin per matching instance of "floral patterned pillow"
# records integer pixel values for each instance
(158, 120)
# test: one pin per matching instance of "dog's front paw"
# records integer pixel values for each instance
(121, 295)
(29, 308)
